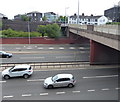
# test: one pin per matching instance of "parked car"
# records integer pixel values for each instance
(60, 80)
(17, 71)
(3, 54)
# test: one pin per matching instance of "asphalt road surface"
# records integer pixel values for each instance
(46, 53)
(92, 84)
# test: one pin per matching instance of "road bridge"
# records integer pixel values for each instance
(104, 41)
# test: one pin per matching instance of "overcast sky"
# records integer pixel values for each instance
(10, 8)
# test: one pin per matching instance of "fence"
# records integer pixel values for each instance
(48, 65)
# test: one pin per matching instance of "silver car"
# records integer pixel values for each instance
(23, 70)
(60, 80)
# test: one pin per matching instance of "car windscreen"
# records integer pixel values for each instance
(55, 78)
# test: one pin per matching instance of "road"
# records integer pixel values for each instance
(92, 84)
(46, 53)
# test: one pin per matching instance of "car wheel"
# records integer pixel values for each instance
(25, 76)
(70, 85)
(6, 77)
(50, 86)
(7, 56)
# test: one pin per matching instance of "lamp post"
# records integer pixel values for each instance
(78, 14)
(65, 14)
(29, 31)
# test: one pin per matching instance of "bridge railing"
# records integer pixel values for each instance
(109, 29)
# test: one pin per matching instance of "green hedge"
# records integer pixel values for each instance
(116, 23)
(11, 33)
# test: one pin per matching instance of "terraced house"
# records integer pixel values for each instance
(89, 20)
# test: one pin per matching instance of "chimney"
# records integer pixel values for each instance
(91, 14)
(82, 14)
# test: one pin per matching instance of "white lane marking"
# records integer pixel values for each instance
(61, 48)
(43, 94)
(105, 89)
(36, 80)
(28, 48)
(91, 90)
(51, 48)
(64, 57)
(83, 52)
(7, 96)
(26, 95)
(71, 48)
(18, 48)
(101, 76)
(117, 88)
(2, 81)
(58, 93)
(81, 48)
(76, 91)
(32, 57)
(40, 48)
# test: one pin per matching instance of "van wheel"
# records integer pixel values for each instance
(70, 85)
(6, 77)
(25, 76)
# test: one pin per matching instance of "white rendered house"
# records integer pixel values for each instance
(88, 20)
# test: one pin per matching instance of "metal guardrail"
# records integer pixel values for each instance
(43, 65)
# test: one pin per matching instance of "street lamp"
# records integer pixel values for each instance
(65, 14)
(29, 31)
(78, 14)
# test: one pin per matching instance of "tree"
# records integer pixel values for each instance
(61, 19)
(51, 30)
(42, 29)
(25, 18)
(44, 18)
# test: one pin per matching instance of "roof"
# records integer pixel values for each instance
(22, 66)
(86, 17)
(33, 12)
(50, 13)
(64, 75)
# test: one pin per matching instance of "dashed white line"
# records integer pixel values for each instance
(59, 93)
(18, 48)
(76, 91)
(32, 57)
(29, 48)
(71, 48)
(117, 88)
(26, 95)
(61, 48)
(105, 89)
(83, 51)
(7, 96)
(64, 56)
(91, 90)
(43, 94)
(81, 48)
(36, 80)
(2, 81)
(40, 48)
(101, 76)
(51, 48)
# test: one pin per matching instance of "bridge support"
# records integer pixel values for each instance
(102, 54)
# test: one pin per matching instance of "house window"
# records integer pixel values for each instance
(95, 20)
